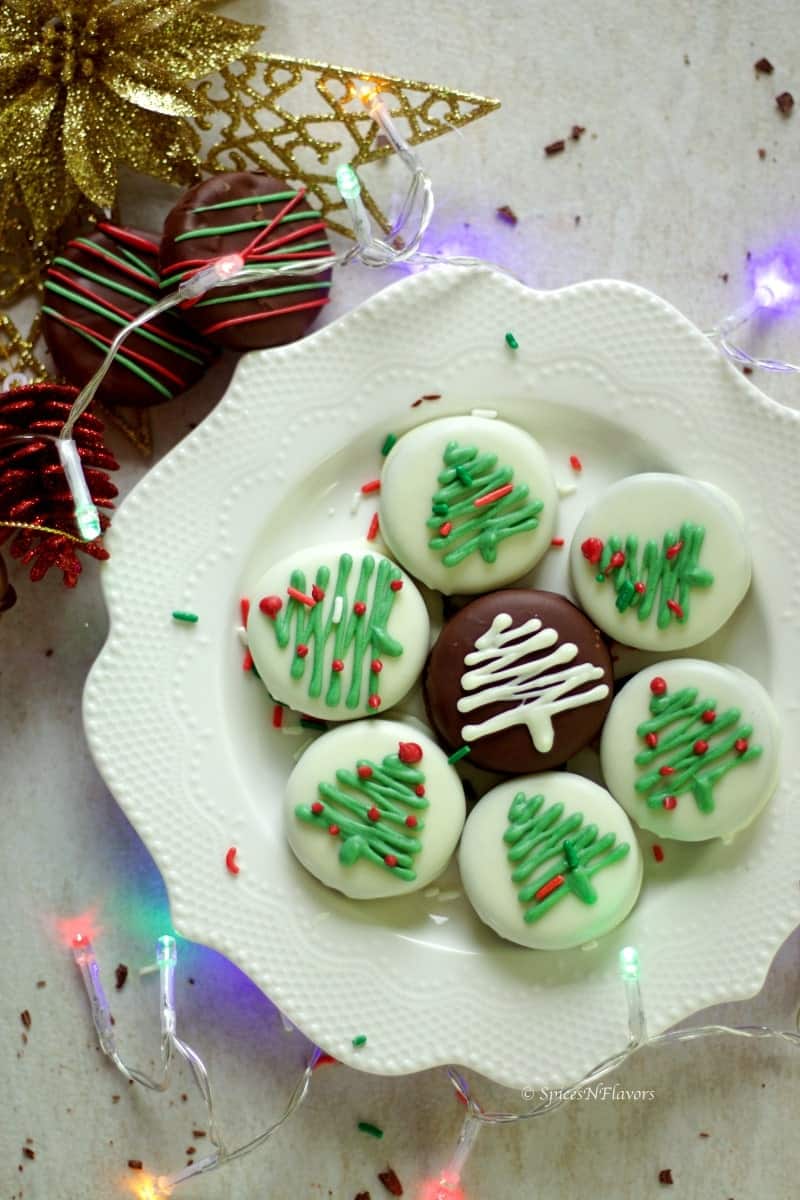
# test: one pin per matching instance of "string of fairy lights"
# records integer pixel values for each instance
(774, 286)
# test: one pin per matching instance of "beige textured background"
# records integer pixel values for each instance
(671, 194)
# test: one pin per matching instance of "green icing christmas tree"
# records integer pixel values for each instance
(555, 856)
(688, 747)
(659, 579)
(374, 811)
(478, 506)
(355, 619)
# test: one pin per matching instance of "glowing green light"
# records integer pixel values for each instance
(166, 950)
(629, 962)
(88, 521)
(347, 182)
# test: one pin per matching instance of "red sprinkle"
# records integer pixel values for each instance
(317, 807)
(376, 666)
(708, 716)
(301, 596)
(277, 716)
(390, 860)
(244, 609)
(700, 746)
(333, 830)
(409, 752)
(658, 685)
(323, 1060)
(640, 588)
(674, 551)
(317, 593)
(617, 560)
(359, 608)
(374, 813)
(490, 497)
(247, 661)
(364, 772)
(558, 541)
(674, 607)
(419, 790)
(592, 549)
(230, 861)
(301, 651)
(374, 700)
(740, 745)
(411, 822)
(658, 854)
(670, 802)
(374, 526)
(446, 528)
(549, 887)
(374, 485)
(271, 605)
(337, 665)
(396, 585)
(666, 771)
(575, 462)
(651, 740)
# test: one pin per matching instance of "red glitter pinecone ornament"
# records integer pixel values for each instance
(33, 489)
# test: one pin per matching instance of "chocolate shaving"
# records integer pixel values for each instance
(135, 1164)
(363, 1196)
(506, 213)
(704, 1135)
(763, 67)
(26, 1150)
(390, 1181)
(762, 152)
(40, 983)
(555, 148)
(198, 1133)
(785, 102)
(577, 132)
(724, 276)
(25, 1017)
(120, 974)
(665, 1176)
(191, 1150)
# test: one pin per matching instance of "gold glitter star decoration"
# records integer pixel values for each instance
(89, 84)
(249, 111)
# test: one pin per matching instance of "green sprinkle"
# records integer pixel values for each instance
(192, 618)
(512, 341)
(391, 438)
(372, 1130)
(360, 1039)
(457, 755)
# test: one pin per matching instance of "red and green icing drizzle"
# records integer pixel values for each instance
(693, 744)
(274, 241)
(478, 506)
(555, 855)
(306, 619)
(661, 579)
(374, 811)
(127, 272)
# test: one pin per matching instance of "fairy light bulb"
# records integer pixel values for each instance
(629, 963)
(87, 518)
(347, 182)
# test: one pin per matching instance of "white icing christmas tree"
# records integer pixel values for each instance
(511, 665)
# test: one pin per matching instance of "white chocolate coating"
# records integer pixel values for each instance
(739, 795)
(410, 481)
(342, 748)
(543, 688)
(486, 870)
(647, 506)
(407, 623)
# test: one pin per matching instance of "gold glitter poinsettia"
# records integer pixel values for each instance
(88, 84)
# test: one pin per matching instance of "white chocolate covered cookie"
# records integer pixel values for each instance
(660, 562)
(550, 861)
(467, 504)
(337, 631)
(374, 809)
(690, 749)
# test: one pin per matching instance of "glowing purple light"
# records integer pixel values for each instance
(776, 280)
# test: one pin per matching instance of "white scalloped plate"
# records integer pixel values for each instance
(183, 738)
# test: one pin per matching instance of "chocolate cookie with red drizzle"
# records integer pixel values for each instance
(93, 290)
(266, 221)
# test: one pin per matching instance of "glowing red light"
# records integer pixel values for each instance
(441, 1189)
(78, 930)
